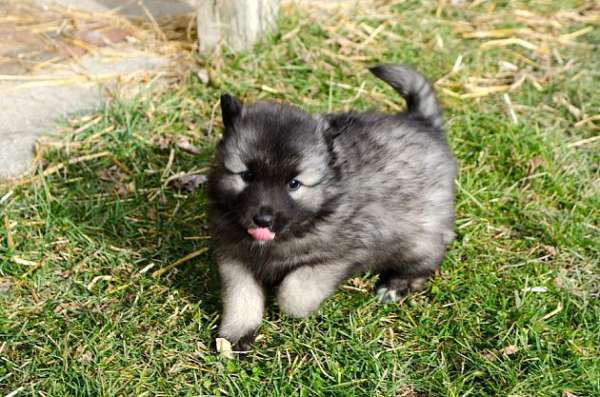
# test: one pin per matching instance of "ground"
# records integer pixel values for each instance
(107, 285)
(57, 59)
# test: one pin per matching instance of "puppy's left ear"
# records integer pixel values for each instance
(230, 109)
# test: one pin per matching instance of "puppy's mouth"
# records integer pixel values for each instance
(261, 233)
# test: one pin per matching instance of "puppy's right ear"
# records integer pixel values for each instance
(230, 109)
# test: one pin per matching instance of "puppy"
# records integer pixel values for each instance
(299, 202)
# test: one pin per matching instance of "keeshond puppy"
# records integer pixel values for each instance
(299, 202)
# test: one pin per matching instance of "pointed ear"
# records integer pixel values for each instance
(230, 109)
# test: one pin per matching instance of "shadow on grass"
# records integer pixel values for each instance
(120, 207)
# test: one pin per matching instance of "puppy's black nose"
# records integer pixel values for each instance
(263, 219)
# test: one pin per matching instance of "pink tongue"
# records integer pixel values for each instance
(261, 233)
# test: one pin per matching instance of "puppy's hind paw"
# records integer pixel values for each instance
(394, 289)
(385, 295)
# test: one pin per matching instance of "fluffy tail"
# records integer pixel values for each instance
(414, 88)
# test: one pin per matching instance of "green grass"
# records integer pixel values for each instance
(515, 311)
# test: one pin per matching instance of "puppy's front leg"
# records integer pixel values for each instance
(243, 304)
(302, 291)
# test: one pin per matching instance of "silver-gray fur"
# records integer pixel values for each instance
(343, 193)
(414, 88)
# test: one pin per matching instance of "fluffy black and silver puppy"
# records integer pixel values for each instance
(299, 202)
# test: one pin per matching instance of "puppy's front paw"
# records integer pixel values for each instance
(302, 291)
(235, 345)
(244, 345)
(295, 304)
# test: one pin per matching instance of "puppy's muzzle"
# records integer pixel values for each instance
(264, 218)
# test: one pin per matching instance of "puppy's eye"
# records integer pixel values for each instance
(247, 176)
(294, 184)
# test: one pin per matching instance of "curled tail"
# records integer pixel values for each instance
(414, 88)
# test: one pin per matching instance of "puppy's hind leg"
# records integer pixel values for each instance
(409, 270)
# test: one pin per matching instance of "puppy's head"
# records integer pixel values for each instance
(271, 169)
